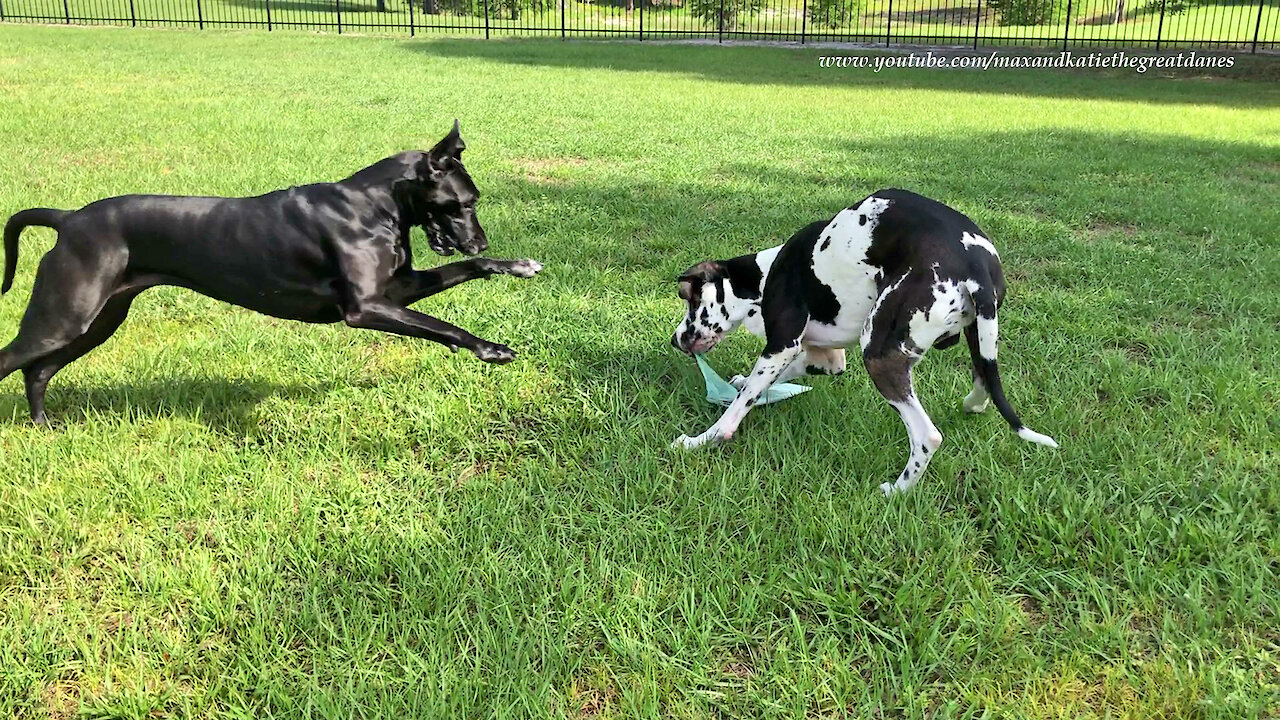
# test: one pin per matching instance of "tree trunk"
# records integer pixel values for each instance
(382, 5)
(431, 7)
(1119, 11)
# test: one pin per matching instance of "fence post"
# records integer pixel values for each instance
(977, 23)
(1160, 27)
(1, 9)
(804, 20)
(200, 13)
(66, 11)
(133, 15)
(562, 2)
(268, 14)
(410, 18)
(1257, 27)
(888, 26)
(720, 37)
(642, 2)
(1066, 26)
(337, 5)
(486, 19)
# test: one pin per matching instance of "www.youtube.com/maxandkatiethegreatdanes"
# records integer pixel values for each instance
(997, 60)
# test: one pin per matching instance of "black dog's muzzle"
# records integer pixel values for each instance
(446, 243)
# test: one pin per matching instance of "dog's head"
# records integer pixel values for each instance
(719, 295)
(438, 195)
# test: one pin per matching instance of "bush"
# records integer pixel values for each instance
(1028, 12)
(1171, 7)
(509, 9)
(834, 13)
(711, 11)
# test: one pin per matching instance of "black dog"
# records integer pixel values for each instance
(317, 253)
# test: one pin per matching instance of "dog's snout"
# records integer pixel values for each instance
(479, 242)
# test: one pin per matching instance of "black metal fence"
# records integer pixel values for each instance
(1238, 25)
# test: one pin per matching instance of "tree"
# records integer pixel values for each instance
(832, 14)
(513, 8)
(1027, 12)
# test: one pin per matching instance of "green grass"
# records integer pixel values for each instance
(239, 517)
(1230, 24)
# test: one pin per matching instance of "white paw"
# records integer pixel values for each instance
(896, 488)
(738, 381)
(524, 268)
(684, 442)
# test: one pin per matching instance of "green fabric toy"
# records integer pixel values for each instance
(720, 392)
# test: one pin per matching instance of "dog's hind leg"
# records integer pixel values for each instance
(38, 373)
(979, 398)
(982, 347)
(71, 289)
(891, 373)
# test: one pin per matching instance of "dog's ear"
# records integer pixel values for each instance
(686, 287)
(703, 272)
(708, 271)
(424, 169)
(451, 146)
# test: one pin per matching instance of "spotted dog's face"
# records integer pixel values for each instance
(441, 198)
(714, 307)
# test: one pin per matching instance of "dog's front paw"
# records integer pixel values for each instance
(523, 268)
(495, 353)
(738, 381)
(684, 442)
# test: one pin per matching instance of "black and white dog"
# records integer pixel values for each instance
(319, 253)
(897, 273)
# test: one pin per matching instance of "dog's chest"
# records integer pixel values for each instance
(847, 282)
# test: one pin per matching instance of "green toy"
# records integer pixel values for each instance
(720, 392)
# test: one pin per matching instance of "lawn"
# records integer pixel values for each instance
(239, 517)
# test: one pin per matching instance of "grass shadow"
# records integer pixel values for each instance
(225, 405)
(799, 66)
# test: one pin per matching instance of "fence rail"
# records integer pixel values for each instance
(1234, 25)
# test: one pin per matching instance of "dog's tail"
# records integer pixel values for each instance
(984, 359)
(44, 217)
